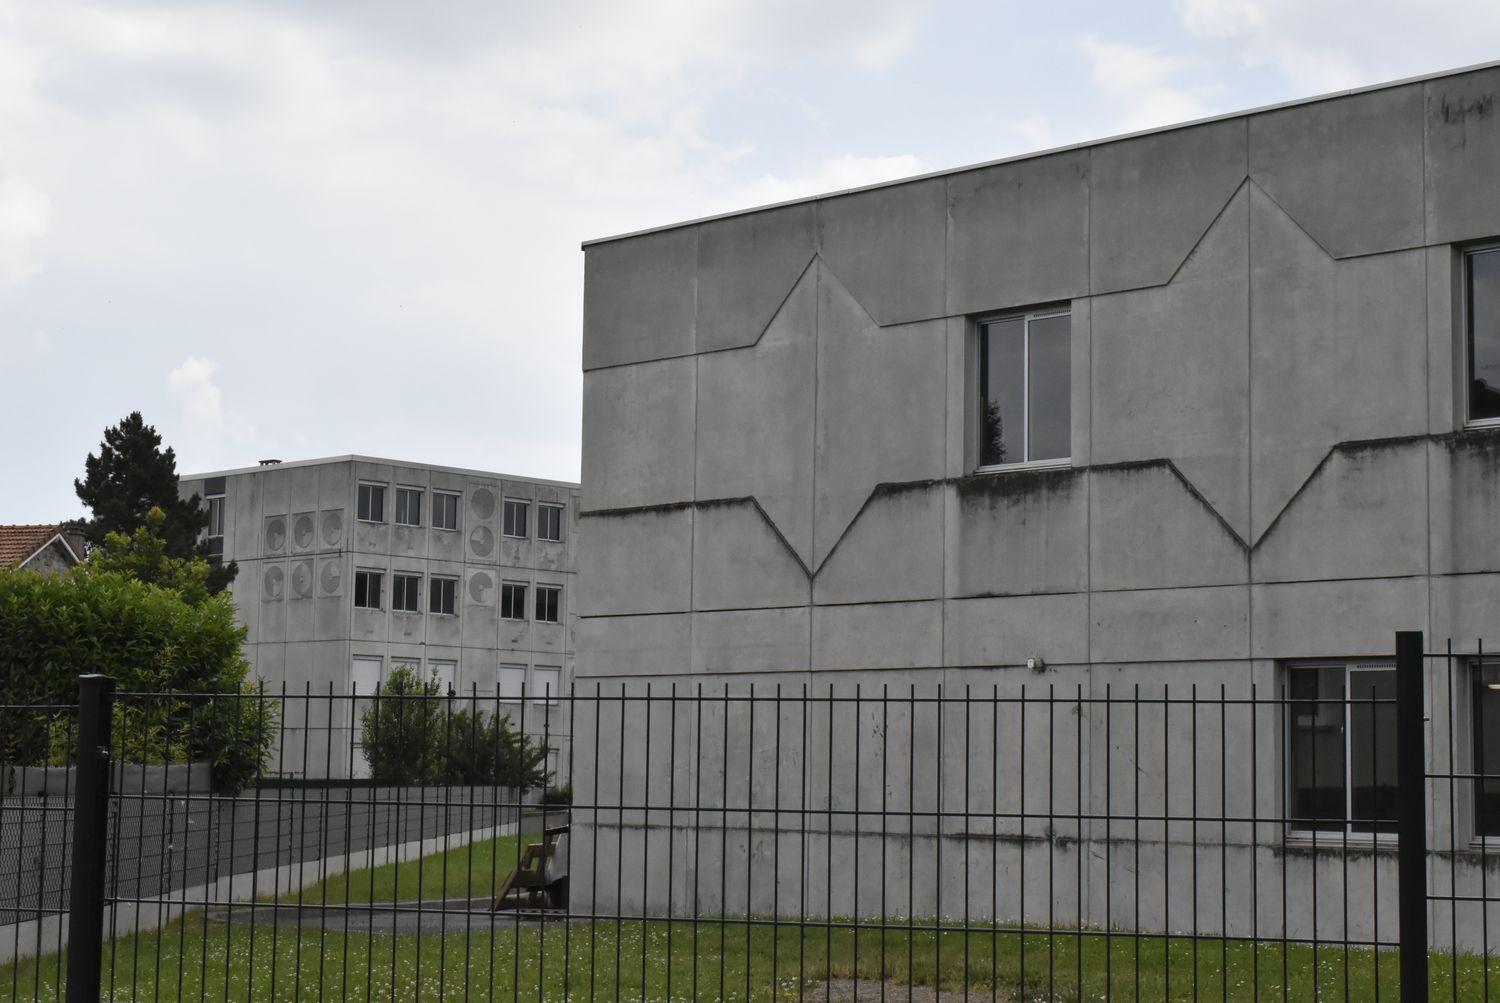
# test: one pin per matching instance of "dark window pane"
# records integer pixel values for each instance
(1372, 750)
(1050, 427)
(1484, 334)
(1317, 747)
(1487, 749)
(1002, 372)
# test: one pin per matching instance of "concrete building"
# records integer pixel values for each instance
(48, 548)
(1213, 403)
(351, 566)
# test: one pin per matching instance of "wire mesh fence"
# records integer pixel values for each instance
(756, 840)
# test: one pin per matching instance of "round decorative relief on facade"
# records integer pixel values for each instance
(274, 582)
(333, 527)
(481, 587)
(275, 534)
(481, 541)
(482, 503)
(302, 531)
(302, 579)
(330, 577)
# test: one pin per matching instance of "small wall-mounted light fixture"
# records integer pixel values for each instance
(1036, 663)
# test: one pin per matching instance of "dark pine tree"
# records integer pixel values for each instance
(131, 474)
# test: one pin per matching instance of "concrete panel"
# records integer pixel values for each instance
(1171, 370)
(746, 266)
(638, 434)
(893, 550)
(906, 370)
(370, 625)
(887, 247)
(1008, 630)
(1019, 531)
(756, 418)
(1018, 234)
(1162, 625)
(1466, 504)
(767, 640)
(1348, 171)
(878, 636)
(638, 298)
(1363, 515)
(637, 562)
(1338, 352)
(1335, 619)
(242, 499)
(1149, 531)
(1153, 198)
(1447, 351)
(1462, 149)
(738, 561)
(1463, 610)
(633, 646)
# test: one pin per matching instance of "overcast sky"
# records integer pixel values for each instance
(303, 229)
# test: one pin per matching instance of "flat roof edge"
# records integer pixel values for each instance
(1050, 151)
(359, 458)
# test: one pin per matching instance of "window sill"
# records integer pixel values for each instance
(1338, 841)
(512, 536)
(1000, 468)
(408, 525)
(1482, 423)
(372, 522)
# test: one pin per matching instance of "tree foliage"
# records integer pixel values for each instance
(143, 556)
(131, 476)
(151, 639)
(412, 734)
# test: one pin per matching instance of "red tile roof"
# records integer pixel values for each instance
(17, 543)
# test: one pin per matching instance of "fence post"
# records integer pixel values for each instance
(90, 823)
(1411, 813)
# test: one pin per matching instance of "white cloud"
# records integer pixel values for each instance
(834, 174)
(192, 386)
(1144, 82)
(24, 216)
(887, 42)
(1326, 45)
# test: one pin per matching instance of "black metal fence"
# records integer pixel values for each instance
(1326, 835)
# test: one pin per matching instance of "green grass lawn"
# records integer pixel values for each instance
(199, 958)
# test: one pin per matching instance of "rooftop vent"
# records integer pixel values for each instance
(269, 463)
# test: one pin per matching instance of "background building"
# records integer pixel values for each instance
(50, 549)
(350, 566)
(1212, 404)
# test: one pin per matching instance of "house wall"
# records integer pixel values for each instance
(1268, 453)
(293, 529)
(53, 559)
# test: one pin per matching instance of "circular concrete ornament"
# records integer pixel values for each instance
(302, 579)
(274, 582)
(330, 577)
(333, 528)
(481, 587)
(275, 534)
(302, 531)
(481, 541)
(482, 502)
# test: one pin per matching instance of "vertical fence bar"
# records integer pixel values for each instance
(90, 832)
(1411, 785)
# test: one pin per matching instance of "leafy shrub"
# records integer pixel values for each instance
(412, 734)
(151, 639)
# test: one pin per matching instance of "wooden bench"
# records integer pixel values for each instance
(529, 880)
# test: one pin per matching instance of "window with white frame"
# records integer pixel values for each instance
(408, 506)
(406, 592)
(445, 672)
(1484, 729)
(514, 523)
(370, 506)
(443, 595)
(512, 600)
(510, 682)
(444, 510)
(213, 490)
(1341, 747)
(1025, 389)
(549, 520)
(546, 684)
(365, 676)
(367, 585)
(1482, 323)
(548, 603)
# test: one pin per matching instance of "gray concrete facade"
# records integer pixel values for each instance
(294, 528)
(1270, 459)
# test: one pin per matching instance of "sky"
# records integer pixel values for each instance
(305, 229)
